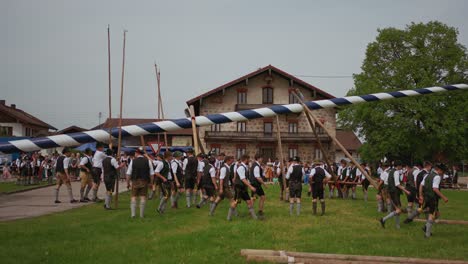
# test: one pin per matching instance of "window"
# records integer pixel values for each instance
(28, 132)
(319, 129)
(292, 98)
(241, 126)
(268, 128)
(267, 95)
(242, 97)
(292, 127)
(6, 131)
(240, 151)
(216, 127)
(292, 152)
(215, 149)
(318, 153)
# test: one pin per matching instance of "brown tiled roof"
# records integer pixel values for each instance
(257, 72)
(23, 117)
(114, 122)
(348, 139)
(71, 129)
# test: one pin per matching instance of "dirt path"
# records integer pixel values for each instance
(41, 202)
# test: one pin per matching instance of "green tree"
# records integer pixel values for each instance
(416, 128)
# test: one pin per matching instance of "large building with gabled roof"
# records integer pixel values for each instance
(264, 87)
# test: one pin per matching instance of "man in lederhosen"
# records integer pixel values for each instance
(157, 162)
(98, 157)
(351, 182)
(226, 175)
(241, 185)
(208, 182)
(256, 179)
(295, 175)
(319, 177)
(411, 187)
(110, 168)
(190, 169)
(394, 190)
(141, 173)
(364, 181)
(86, 178)
(63, 176)
(164, 172)
(418, 180)
(177, 171)
(343, 173)
(429, 193)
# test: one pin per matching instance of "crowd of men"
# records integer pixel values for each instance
(204, 179)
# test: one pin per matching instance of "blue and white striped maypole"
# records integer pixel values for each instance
(75, 139)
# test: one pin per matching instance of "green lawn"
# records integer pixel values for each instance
(8, 187)
(92, 235)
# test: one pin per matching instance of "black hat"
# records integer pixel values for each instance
(109, 152)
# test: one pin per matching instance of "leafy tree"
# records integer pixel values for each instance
(416, 128)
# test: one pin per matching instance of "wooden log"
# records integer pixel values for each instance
(280, 146)
(263, 252)
(273, 259)
(194, 130)
(444, 221)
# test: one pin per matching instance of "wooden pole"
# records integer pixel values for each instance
(194, 130)
(280, 146)
(160, 102)
(109, 77)
(196, 139)
(339, 144)
(119, 142)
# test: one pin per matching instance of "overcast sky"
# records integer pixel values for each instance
(53, 54)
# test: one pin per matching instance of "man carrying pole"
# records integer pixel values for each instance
(190, 169)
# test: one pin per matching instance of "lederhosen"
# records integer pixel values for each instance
(96, 172)
(227, 182)
(87, 165)
(352, 177)
(179, 174)
(241, 188)
(317, 185)
(140, 176)
(431, 199)
(206, 181)
(365, 183)
(253, 180)
(191, 172)
(411, 187)
(393, 190)
(59, 170)
(110, 174)
(166, 186)
(341, 177)
(419, 179)
(295, 182)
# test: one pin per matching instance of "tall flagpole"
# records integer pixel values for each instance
(119, 144)
(109, 73)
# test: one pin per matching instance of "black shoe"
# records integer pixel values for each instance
(198, 206)
(408, 220)
(73, 201)
(83, 201)
(87, 199)
(382, 222)
(57, 201)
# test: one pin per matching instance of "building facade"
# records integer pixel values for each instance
(15, 122)
(265, 87)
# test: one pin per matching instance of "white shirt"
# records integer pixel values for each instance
(85, 160)
(312, 172)
(384, 176)
(256, 170)
(159, 165)
(212, 172)
(66, 163)
(340, 170)
(223, 172)
(130, 167)
(114, 162)
(290, 170)
(359, 173)
(184, 163)
(241, 171)
(174, 164)
(396, 177)
(98, 157)
(435, 181)
(201, 166)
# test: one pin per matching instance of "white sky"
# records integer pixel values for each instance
(53, 54)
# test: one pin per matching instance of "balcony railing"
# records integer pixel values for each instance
(262, 136)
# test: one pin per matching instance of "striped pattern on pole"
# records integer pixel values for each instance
(75, 139)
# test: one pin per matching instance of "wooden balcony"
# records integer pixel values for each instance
(263, 137)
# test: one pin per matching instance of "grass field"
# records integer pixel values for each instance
(93, 235)
(8, 187)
